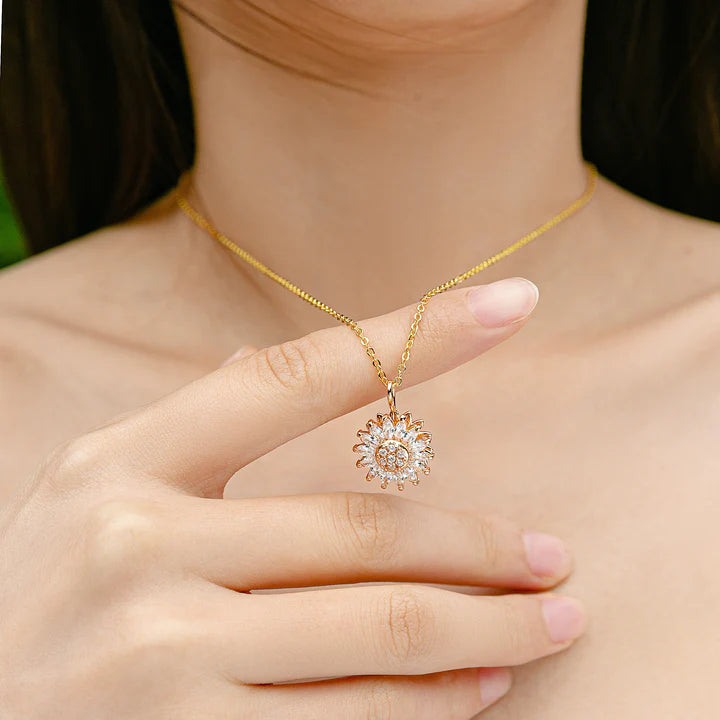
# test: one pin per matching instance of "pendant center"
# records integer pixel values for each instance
(394, 448)
(392, 455)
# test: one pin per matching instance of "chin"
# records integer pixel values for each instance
(422, 13)
(384, 22)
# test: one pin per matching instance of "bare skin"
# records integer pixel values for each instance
(598, 422)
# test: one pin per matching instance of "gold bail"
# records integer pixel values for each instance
(391, 399)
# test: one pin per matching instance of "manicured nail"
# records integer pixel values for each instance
(547, 555)
(244, 351)
(494, 683)
(564, 617)
(503, 302)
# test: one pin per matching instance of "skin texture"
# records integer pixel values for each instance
(598, 422)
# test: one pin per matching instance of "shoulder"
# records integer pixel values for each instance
(677, 252)
(97, 268)
(670, 263)
(75, 347)
(121, 287)
(659, 269)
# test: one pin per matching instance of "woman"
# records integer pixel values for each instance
(368, 152)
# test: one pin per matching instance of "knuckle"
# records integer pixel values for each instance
(429, 333)
(291, 365)
(121, 537)
(435, 328)
(155, 635)
(486, 534)
(372, 525)
(410, 625)
(379, 700)
(521, 639)
(74, 462)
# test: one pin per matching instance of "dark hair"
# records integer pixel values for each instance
(96, 119)
(95, 113)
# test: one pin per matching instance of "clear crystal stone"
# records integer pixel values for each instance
(392, 452)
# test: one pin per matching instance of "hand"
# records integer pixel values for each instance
(126, 575)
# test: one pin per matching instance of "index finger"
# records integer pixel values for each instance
(199, 436)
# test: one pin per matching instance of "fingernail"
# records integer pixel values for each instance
(494, 683)
(564, 617)
(503, 302)
(547, 555)
(244, 351)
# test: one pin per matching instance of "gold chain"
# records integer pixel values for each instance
(571, 209)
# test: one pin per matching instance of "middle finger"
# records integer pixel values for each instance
(349, 537)
(384, 630)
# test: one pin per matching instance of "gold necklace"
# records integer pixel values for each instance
(393, 447)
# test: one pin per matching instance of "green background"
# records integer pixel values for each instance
(12, 248)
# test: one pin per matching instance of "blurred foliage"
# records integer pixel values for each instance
(12, 247)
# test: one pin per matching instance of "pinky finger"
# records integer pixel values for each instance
(451, 695)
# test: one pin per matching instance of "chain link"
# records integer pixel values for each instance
(571, 209)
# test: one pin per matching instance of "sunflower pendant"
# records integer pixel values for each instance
(394, 448)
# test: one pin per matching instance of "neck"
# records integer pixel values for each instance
(369, 165)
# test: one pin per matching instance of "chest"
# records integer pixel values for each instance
(578, 445)
(609, 464)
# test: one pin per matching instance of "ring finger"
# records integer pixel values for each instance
(393, 629)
